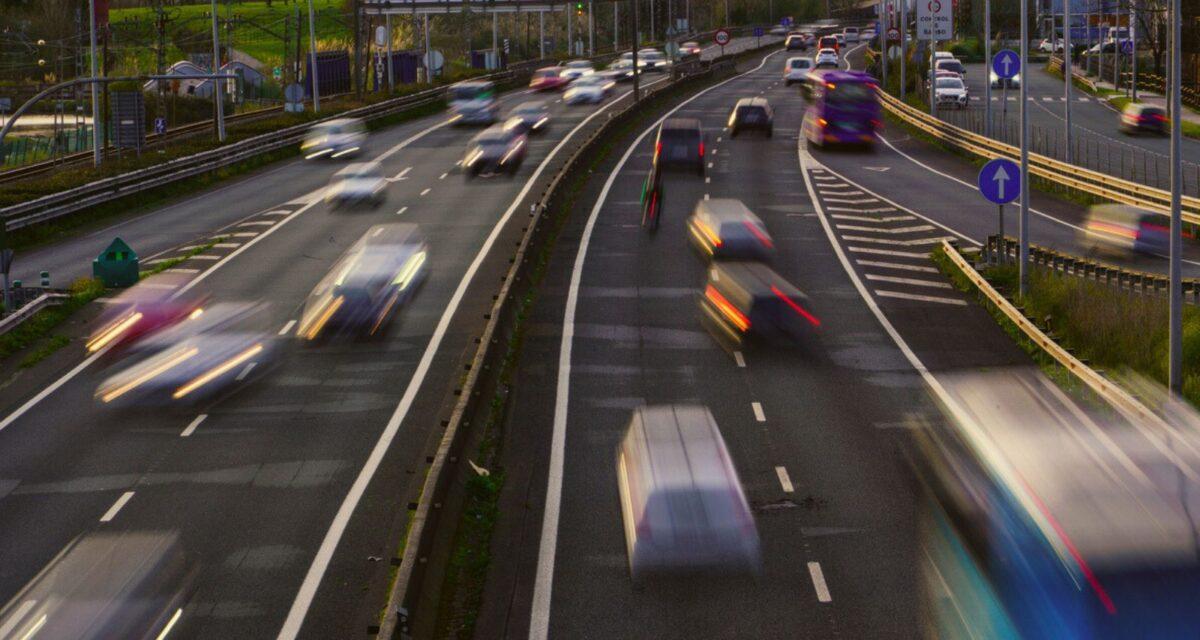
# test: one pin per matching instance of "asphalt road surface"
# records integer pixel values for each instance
(286, 493)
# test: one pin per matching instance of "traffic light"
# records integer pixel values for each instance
(579, 8)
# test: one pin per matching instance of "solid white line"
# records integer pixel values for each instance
(316, 571)
(427, 190)
(842, 216)
(191, 428)
(913, 281)
(888, 252)
(913, 229)
(245, 372)
(112, 511)
(539, 622)
(287, 327)
(896, 265)
(170, 625)
(204, 257)
(918, 298)
(758, 411)
(32, 402)
(851, 200)
(784, 480)
(818, 580)
(739, 359)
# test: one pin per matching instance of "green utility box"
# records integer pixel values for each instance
(116, 266)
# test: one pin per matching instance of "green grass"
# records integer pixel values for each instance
(36, 331)
(167, 264)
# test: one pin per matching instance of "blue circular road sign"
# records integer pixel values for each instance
(758, 31)
(1006, 63)
(1000, 181)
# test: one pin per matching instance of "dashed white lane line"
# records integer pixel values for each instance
(888, 252)
(710, 165)
(706, 196)
(818, 580)
(918, 298)
(707, 179)
(245, 372)
(758, 411)
(287, 327)
(112, 511)
(443, 176)
(191, 428)
(427, 190)
(784, 480)
(913, 281)
(401, 211)
(714, 152)
(718, 138)
(739, 359)
(897, 265)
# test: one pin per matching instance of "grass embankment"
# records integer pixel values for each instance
(37, 331)
(1109, 328)
(1119, 101)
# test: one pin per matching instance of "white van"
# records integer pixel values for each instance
(681, 500)
(850, 34)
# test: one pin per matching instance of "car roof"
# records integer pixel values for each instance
(579, 63)
(827, 51)
(724, 208)
(755, 101)
(357, 168)
(681, 123)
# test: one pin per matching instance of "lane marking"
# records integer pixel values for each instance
(539, 622)
(784, 480)
(277, 212)
(843, 216)
(400, 176)
(918, 298)
(401, 211)
(183, 270)
(758, 411)
(287, 327)
(191, 428)
(913, 281)
(897, 265)
(204, 257)
(888, 252)
(739, 359)
(320, 563)
(707, 179)
(245, 372)
(112, 511)
(914, 229)
(427, 190)
(710, 165)
(706, 196)
(256, 223)
(227, 245)
(818, 580)
(443, 176)
(851, 200)
(897, 241)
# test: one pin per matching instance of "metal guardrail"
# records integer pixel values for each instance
(1085, 180)
(14, 319)
(1132, 280)
(1120, 399)
(1055, 65)
(108, 189)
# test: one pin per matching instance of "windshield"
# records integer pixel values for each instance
(950, 66)
(471, 93)
(800, 64)
(848, 93)
(949, 83)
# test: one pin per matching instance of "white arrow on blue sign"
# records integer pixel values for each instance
(1000, 181)
(1006, 63)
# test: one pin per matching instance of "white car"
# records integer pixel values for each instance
(826, 58)
(796, 70)
(850, 34)
(867, 34)
(652, 60)
(1050, 46)
(576, 69)
(999, 83)
(357, 183)
(951, 92)
(334, 139)
(590, 89)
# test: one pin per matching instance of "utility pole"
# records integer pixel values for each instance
(1174, 93)
(314, 78)
(931, 75)
(1133, 41)
(391, 78)
(1067, 73)
(570, 38)
(591, 28)
(882, 29)
(903, 48)
(987, 67)
(358, 71)
(218, 85)
(1024, 221)
(541, 34)
(637, 73)
(616, 27)
(95, 90)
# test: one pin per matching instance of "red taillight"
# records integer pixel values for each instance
(657, 149)
(795, 307)
(876, 124)
(701, 148)
(726, 308)
(762, 237)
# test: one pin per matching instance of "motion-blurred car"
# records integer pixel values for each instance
(494, 151)
(751, 114)
(690, 48)
(828, 42)
(547, 79)
(573, 69)
(1139, 117)
(529, 117)
(796, 70)
(951, 92)
(473, 102)
(622, 69)
(682, 503)
(747, 300)
(150, 305)
(1001, 83)
(826, 58)
(778, 31)
(725, 229)
(653, 60)
(1122, 228)
(365, 287)
(360, 183)
(680, 145)
(850, 34)
(338, 138)
(105, 584)
(193, 360)
(795, 42)
(589, 89)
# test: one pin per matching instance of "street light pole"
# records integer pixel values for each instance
(1024, 221)
(218, 86)
(95, 92)
(1067, 73)
(1133, 42)
(987, 57)
(312, 59)
(1175, 375)
(903, 48)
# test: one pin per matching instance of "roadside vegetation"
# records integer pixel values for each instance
(37, 333)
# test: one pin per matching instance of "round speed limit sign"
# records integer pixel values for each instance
(722, 37)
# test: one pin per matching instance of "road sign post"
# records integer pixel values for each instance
(721, 37)
(987, 86)
(758, 34)
(6, 257)
(1023, 222)
(935, 21)
(999, 182)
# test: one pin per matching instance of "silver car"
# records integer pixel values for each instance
(338, 138)
(681, 500)
(357, 184)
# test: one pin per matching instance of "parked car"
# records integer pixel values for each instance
(1139, 117)
(751, 113)
(950, 64)
(1001, 83)
(1051, 46)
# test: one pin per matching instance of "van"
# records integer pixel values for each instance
(682, 504)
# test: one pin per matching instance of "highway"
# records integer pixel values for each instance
(285, 492)
(814, 431)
